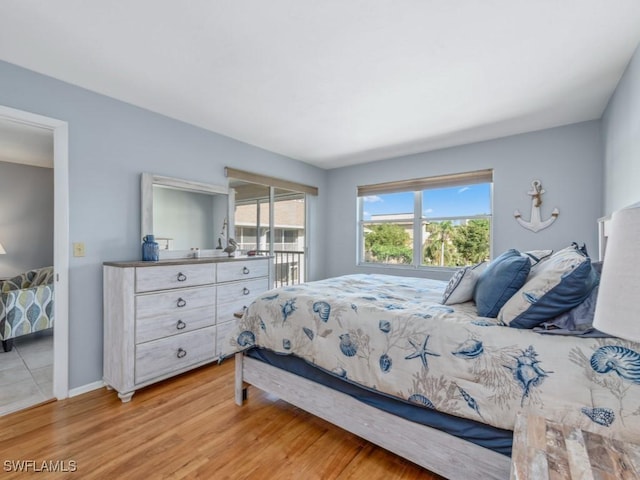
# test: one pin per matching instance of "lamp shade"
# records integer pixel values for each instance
(617, 310)
(2, 250)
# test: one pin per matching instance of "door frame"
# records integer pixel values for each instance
(60, 130)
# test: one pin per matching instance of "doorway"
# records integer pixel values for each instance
(272, 221)
(58, 130)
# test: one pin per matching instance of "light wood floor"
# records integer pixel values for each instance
(189, 427)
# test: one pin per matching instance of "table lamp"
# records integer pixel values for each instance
(617, 311)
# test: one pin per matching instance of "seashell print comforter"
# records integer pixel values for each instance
(391, 334)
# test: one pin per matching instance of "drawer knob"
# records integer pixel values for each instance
(181, 277)
(181, 353)
(180, 325)
(246, 291)
(181, 302)
(245, 270)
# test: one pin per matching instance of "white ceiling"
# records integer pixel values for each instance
(337, 82)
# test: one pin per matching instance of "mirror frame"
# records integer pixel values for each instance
(148, 180)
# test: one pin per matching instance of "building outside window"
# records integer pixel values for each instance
(287, 236)
(287, 242)
(430, 222)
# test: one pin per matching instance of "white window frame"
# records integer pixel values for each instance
(418, 218)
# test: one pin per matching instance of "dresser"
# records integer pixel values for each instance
(164, 318)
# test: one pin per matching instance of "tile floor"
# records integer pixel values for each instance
(26, 372)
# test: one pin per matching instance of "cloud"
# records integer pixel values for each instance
(464, 189)
(428, 210)
(373, 199)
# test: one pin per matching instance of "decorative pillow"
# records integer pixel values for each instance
(563, 281)
(462, 283)
(499, 281)
(579, 320)
(537, 256)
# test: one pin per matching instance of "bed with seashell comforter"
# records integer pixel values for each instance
(391, 335)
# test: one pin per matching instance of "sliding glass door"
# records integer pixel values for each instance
(288, 240)
(271, 220)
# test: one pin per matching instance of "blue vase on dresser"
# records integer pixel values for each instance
(150, 249)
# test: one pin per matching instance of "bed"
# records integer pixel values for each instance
(369, 353)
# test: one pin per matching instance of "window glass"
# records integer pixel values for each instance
(291, 236)
(388, 233)
(454, 243)
(272, 221)
(453, 226)
(384, 206)
(456, 225)
(460, 201)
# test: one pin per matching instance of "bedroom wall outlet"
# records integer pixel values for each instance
(78, 249)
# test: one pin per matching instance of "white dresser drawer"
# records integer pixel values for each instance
(160, 357)
(221, 336)
(164, 325)
(174, 301)
(242, 269)
(232, 297)
(174, 276)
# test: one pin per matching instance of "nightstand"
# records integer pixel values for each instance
(545, 449)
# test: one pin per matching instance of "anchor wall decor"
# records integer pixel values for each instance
(536, 223)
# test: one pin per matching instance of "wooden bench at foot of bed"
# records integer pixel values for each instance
(428, 447)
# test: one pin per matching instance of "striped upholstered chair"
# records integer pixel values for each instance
(26, 305)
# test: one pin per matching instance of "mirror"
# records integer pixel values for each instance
(182, 215)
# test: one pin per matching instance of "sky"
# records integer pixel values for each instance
(442, 202)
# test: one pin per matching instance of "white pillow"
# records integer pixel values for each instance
(461, 285)
(537, 256)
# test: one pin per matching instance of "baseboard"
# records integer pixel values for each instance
(89, 387)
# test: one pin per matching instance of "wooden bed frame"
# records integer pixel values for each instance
(428, 447)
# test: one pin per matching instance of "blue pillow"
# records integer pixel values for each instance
(562, 282)
(499, 281)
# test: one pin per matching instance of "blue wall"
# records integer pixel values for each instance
(568, 161)
(621, 136)
(110, 144)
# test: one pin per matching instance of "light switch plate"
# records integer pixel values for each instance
(78, 249)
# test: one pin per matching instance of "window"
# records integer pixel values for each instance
(246, 236)
(430, 222)
(290, 236)
(388, 228)
(270, 217)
